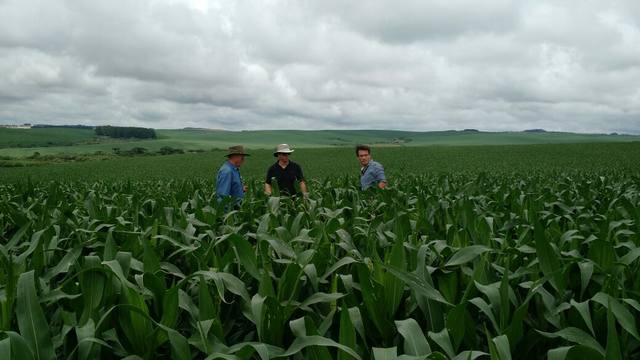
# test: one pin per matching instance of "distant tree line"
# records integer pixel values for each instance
(125, 132)
(43, 126)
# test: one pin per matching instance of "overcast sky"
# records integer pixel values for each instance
(567, 65)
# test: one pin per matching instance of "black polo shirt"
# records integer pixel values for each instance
(286, 177)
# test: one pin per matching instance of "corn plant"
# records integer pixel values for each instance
(457, 266)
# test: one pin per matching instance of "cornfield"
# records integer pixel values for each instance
(465, 266)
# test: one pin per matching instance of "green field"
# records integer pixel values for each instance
(41, 137)
(473, 252)
(57, 141)
(320, 163)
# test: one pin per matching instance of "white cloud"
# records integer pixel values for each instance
(418, 65)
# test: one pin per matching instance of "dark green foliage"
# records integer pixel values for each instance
(125, 132)
(500, 266)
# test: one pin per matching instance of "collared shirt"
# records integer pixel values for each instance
(371, 175)
(229, 183)
(286, 177)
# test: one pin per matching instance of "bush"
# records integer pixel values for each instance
(125, 132)
(168, 150)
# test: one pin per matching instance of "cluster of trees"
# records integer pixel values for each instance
(125, 132)
(165, 150)
(47, 126)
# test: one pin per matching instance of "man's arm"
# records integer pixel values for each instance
(380, 177)
(267, 183)
(303, 183)
(223, 184)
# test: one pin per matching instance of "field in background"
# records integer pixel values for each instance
(473, 252)
(41, 137)
(331, 162)
(23, 143)
(477, 252)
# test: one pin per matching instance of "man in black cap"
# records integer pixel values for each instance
(286, 173)
(229, 182)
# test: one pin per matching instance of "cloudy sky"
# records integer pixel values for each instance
(568, 65)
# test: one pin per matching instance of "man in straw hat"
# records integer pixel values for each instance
(286, 173)
(229, 182)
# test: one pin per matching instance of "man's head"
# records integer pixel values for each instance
(363, 152)
(236, 160)
(236, 155)
(282, 152)
(282, 157)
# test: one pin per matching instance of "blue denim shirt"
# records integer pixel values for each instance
(229, 183)
(373, 174)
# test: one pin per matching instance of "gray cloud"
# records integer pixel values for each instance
(418, 65)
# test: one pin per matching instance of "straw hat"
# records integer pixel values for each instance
(236, 150)
(282, 149)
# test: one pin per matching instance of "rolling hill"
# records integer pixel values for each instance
(24, 142)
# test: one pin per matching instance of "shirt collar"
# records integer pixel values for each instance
(230, 165)
(363, 168)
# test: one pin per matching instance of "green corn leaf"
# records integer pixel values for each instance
(613, 343)
(246, 255)
(92, 284)
(548, 258)
(415, 343)
(577, 336)
(432, 309)
(444, 342)
(31, 320)
(502, 347)
(180, 349)
(302, 342)
(418, 285)
(469, 355)
(205, 301)
(486, 310)
(622, 314)
(394, 287)
(466, 254)
(347, 334)
(19, 348)
(586, 271)
(385, 353)
(321, 298)
(5, 349)
(87, 349)
(583, 310)
(372, 298)
(18, 235)
(150, 258)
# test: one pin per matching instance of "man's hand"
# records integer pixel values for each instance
(267, 189)
(382, 184)
(245, 188)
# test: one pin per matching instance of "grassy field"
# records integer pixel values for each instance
(320, 163)
(41, 137)
(56, 141)
(474, 252)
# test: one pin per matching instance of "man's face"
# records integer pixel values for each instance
(236, 160)
(364, 157)
(283, 157)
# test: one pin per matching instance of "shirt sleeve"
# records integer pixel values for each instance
(223, 183)
(379, 174)
(299, 174)
(270, 174)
